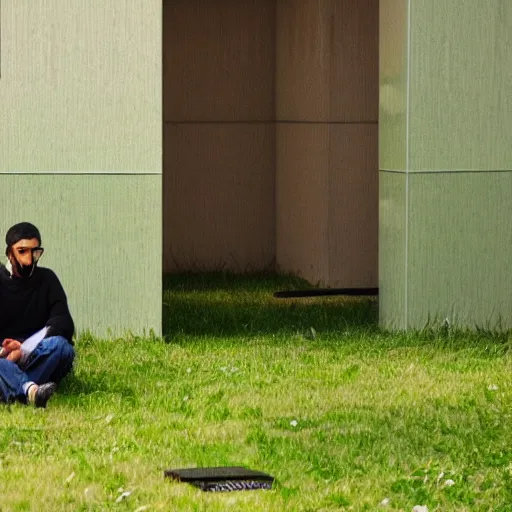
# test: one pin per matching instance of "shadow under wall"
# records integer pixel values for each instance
(226, 306)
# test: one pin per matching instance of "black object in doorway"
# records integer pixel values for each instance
(323, 292)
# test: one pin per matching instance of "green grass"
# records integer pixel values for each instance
(379, 415)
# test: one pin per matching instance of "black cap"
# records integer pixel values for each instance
(21, 231)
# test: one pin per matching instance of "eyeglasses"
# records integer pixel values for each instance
(37, 252)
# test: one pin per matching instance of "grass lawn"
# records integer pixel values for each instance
(309, 390)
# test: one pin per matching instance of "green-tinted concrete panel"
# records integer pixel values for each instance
(460, 240)
(392, 254)
(392, 84)
(461, 87)
(102, 236)
(81, 86)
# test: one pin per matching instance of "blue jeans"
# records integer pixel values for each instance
(50, 361)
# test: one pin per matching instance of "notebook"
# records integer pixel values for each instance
(28, 346)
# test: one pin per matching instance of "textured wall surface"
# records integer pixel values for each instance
(392, 256)
(219, 134)
(393, 58)
(102, 236)
(270, 137)
(81, 150)
(219, 196)
(446, 163)
(80, 86)
(218, 61)
(460, 236)
(461, 87)
(326, 143)
(301, 199)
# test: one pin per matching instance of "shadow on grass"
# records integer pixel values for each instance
(95, 384)
(232, 306)
(226, 305)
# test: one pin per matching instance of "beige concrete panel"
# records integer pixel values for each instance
(219, 60)
(354, 88)
(302, 156)
(219, 196)
(81, 86)
(303, 60)
(353, 206)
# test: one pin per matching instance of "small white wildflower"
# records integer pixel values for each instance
(70, 477)
(189, 370)
(109, 418)
(420, 508)
(185, 398)
(142, 508)
(449, 483)
(123, 496)
(385, 502)
(293, 423)
(223, 368)
(234, 369)
(493, 387)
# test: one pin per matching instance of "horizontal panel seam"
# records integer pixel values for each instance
(455, 171)
(270, 122)
(78, 173)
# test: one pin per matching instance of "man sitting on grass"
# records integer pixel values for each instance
(31, 299)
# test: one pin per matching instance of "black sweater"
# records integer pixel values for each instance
(27, 305)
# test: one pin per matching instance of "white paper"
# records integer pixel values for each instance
(31, 343)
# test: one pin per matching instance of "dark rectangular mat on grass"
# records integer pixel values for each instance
(222, 479)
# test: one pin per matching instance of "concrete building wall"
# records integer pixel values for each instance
(81, 150)
(327, 113)
(445, 163)
(271, 137)
(219, 132)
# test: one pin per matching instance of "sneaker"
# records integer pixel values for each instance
(42, 394)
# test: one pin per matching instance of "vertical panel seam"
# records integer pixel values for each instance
(0, 38)
(407, 165)
(276, 162)
(330, 36)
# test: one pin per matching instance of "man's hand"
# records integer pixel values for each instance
(9, 344)
(11, 350)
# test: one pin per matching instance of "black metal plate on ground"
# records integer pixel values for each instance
(222, 479)
(321, 292)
